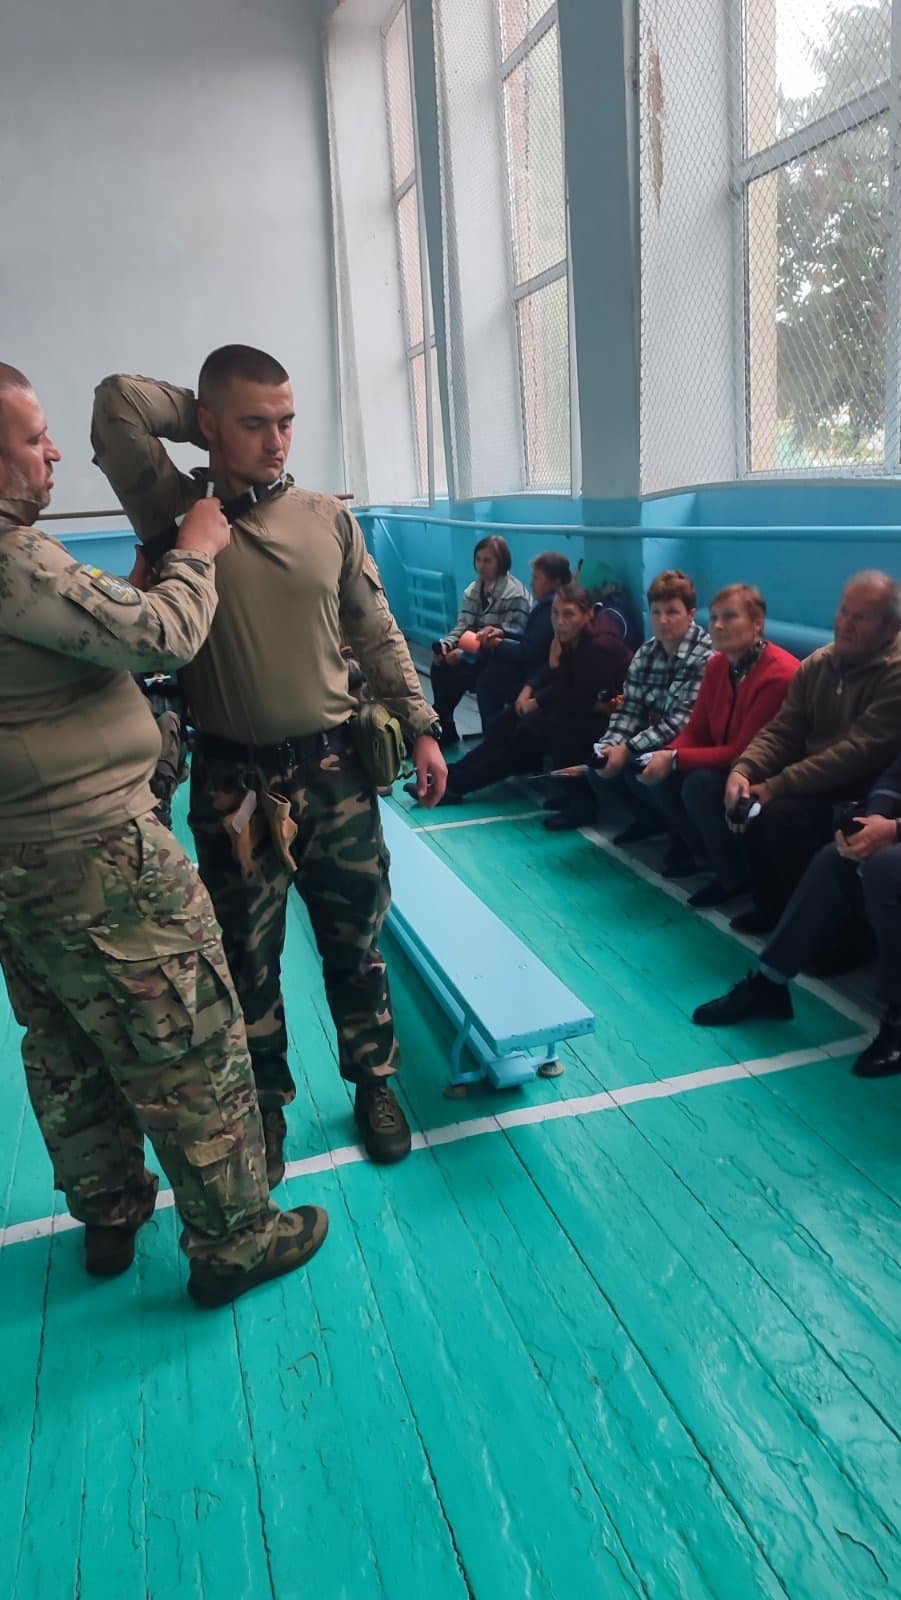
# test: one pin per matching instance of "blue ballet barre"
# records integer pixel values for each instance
(503, 1001)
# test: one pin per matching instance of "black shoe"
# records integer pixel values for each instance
(274, 1130)
(108, 1251)
(564, 821)
(555, 803)
(679, 865)
(451, 797)
(755, 996)
(752, 921)
(636, 831)
(714, 893)
(296, 1237)
(386, 1133)
(882, 1057)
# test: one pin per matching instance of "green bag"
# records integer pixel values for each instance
(379, 743)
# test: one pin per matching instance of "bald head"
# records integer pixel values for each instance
(868, 616)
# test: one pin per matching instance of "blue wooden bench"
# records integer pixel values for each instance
(503, 1001)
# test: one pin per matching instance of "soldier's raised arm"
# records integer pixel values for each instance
(83, 612)
(132, 415)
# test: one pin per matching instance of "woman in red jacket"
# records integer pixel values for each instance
(743, 686)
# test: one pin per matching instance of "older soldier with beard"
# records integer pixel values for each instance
(108, 940)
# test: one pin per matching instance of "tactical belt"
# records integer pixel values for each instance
(270, 758)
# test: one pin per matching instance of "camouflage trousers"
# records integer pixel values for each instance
(115, 969)
(338, 862)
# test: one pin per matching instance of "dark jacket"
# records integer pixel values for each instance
(590, 670)
(528, 650)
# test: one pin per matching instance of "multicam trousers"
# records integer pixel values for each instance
(115, 970)
(340, 867)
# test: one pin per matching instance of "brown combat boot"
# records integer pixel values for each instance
(275, 1129)
(296, 1237)
(386, 1133)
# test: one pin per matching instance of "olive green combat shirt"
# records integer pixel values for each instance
(295, 580)
(78, 742)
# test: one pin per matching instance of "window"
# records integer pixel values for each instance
(533, 128)
(420, 342)
(820, 142)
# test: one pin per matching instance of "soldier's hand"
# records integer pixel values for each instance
(204, 528)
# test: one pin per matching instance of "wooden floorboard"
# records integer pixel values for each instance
(648, 1352)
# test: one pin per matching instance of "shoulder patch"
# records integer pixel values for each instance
(115, 589)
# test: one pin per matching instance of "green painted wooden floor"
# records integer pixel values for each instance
(652, 1351)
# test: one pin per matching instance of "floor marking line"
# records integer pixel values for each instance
(475, 822)
(524, 1116)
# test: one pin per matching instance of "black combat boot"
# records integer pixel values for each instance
(296, 1237)
(108, 1251)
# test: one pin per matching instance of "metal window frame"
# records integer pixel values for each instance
(423, 346)
(522, 289)
(884, 99)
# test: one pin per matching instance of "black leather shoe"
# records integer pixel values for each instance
(296, 1237)
(636, 831)
(274, 1130)
(882, 1057)
(755, 996)
(752, 921)
(714, 893)
(108, 1251)
(385, 1130)
(565, 821)
(679, 865)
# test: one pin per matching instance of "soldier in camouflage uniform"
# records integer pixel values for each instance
(277, 792)
(108, 940)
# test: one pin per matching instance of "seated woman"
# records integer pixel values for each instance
(495, 600)
(743, 686)
(559, 713)
(510, 659)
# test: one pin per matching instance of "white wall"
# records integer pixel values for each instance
(165, 190)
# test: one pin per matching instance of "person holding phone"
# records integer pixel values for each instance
(851, 888)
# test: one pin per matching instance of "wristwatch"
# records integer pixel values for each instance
(435, 730)
(675, 765)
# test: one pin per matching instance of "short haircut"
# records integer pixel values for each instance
(236, 361)
(572, 594)
(10, 378)
(555, 567)
(673, 585)
(891, 589)
(748, 594)
(499, 549)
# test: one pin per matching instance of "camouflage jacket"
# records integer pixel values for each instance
(77, 739)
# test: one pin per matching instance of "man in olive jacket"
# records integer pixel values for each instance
(836, 731)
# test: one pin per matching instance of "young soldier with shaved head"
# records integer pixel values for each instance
(278, 793)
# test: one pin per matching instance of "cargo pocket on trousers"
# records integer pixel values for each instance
(167, 1004)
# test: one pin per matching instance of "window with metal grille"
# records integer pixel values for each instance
(770, 201)
(533, 127)
(820, 205)
(420, 341)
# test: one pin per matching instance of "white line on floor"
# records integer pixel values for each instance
(477, 822)
(523, 1116)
